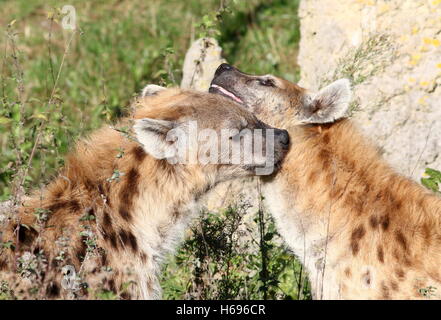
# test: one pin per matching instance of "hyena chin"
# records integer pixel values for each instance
(120, 204)
(361, 230)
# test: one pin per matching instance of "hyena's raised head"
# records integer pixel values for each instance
(210, 134)
(280, 102)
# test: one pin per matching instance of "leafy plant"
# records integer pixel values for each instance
(433, 180)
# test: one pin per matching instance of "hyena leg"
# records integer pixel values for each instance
(151, 90)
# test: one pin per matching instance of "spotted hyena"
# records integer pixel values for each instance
(124, 199)
(362, 230)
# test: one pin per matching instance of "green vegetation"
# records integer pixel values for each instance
(432, 180)
(57, 85)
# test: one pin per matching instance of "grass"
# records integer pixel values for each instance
(58, 85)
(119, 47)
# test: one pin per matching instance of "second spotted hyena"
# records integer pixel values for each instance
(124, 198)
(361, 229)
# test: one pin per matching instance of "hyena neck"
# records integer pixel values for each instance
(334, 192)
(141, 207)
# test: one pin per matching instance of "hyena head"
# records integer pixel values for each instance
(279, 101)
(213, 135)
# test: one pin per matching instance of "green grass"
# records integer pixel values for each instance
(58, 85)
(120, 46)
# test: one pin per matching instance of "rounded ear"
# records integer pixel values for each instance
(329, 104)
(152, 134)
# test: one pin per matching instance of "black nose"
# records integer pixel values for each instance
(282, 137)
(223, 67)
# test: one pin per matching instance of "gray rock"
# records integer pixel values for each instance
(400, 101)
(201, 61)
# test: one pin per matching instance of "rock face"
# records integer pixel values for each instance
(200, 63)
(391, 50)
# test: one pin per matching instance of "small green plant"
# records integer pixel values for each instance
(106, 295)
(230, 256)
(116, 175)
(5, 292)
(432, 180)
(428, 292)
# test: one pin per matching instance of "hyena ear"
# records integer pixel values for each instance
(151, 90)
(329, 104)
(152, 134)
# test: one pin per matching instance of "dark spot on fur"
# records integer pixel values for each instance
(367, 278)
(111, 237)
(26, 235)
(88, 184)
(52, 290)
(312, 177)
(326, 138)
(427, 232)
(129, 240)
(124, 237)
(176, 214)
(126, 296)
(401, 239)
(74, 206)
(373, 222)
(133, 242)
(90, 212)
(71, 205)
(143, 257)
(406, 261)
(394, 285)
(57, 206)
(36, 250)
(3, 265)
(128, 192)
(101, 189)
(81, 251)
(325, 158)
(380, 254)
(348, 272)
(103, 259)
(355, 248)
(139, 153)
(124, 213)
(165, 166)
(356, 236)
(400, 274)
(107, 221)
(385, 222)
(112, 285)
(58, 194)
(384, 291)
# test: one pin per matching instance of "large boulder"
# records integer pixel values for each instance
(391, 50)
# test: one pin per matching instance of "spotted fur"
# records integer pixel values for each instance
(362, 230)
(114, 211)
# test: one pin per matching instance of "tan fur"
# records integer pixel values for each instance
(362, 230)
(114, 231)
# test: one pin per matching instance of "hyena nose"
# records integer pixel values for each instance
(282, 137)
(223, 67)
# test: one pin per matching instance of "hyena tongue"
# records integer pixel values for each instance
(227, 93)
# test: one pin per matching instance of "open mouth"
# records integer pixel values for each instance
(214, 88)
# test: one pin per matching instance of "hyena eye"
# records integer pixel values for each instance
(266, 82)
